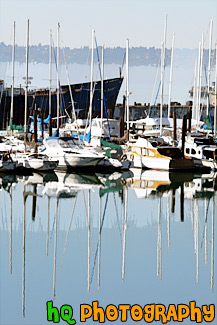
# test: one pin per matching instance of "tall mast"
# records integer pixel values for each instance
(165, 38)
(127, 84)
(201, 70)
(194, 92)
(50, 71)
(102, 99)
(198, 85)
(162, 76)
(91, 76)
(163, 64)
(171, 74)
(58, 77)
(12, 87)
(26, 89)
(209, 66)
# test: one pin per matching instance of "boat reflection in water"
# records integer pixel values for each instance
(96, 234)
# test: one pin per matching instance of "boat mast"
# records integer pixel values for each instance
(102, 80)
(162, 76)
(12, 86)
(127, 84)
(165, 39)
(201, 70)
(91, 77)
(171, 74)
(194, 92)
(58, 78)
(50, 80)
(50, 71)
(209, 66)
(163, 61)
(198, 85)
(26, 89)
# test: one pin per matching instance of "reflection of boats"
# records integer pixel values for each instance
(202, 187)
(69, 154)
(6, 179)
(68, 184)
(113, 182)
(38, 178)
(147, 183)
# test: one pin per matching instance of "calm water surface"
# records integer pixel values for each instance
(132, 238)
(143, 80)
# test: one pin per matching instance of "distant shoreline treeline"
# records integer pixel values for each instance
(137, 55)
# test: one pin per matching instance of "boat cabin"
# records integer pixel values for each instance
(200, 148)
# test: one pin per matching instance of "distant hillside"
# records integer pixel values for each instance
(137, 55)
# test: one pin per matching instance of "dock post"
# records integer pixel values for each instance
(189, 119)
(122, 122)
(174, 128)
(50, 127)
(42, 125)
(184, 124)
(35, 129)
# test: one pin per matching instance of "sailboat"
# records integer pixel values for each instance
(70, 154)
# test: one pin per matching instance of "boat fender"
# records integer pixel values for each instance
(124, 157)
(123, 181)
(132, 157)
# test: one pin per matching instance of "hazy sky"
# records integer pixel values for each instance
(142, 21)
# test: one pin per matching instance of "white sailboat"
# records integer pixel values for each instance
(69, 154)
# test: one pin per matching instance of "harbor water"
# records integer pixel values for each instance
(132, 238)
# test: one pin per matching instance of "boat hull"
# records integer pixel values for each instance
(147, 162)
(73, 161)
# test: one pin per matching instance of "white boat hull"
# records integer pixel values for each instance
(147, 162)
(68, 161)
